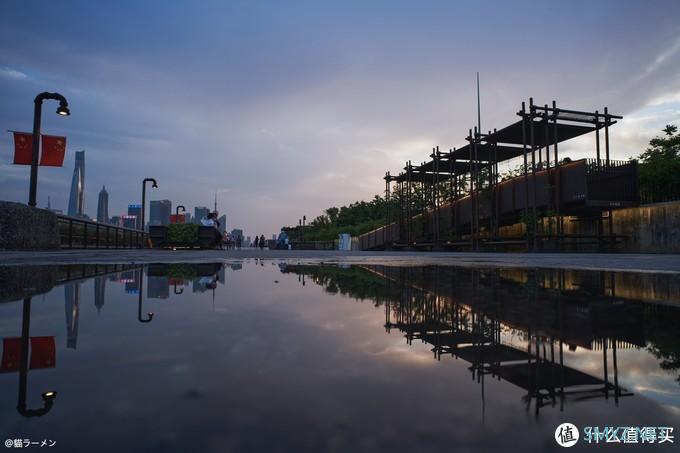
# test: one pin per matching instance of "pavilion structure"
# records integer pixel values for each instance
(461, 200)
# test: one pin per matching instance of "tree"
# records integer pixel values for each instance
(659, 169)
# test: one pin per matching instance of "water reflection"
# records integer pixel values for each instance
(42, 351)
(515, 325)
(16, 355)
(292, 363)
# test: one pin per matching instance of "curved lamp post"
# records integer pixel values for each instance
(48, 396)
(177, 210)
(35, 153)
(155, 186)
(139, 303)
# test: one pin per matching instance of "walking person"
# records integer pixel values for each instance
(257, 242)
(262, 242)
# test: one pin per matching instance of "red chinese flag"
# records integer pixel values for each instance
(43, 353)
(53, 149)
(11, 354)
(23, 148)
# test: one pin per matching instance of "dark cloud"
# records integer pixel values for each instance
(285, 111)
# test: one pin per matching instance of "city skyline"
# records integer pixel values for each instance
(287, 112)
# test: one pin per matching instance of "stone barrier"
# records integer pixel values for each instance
(25, 228)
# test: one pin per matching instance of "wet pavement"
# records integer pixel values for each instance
(586, 261)
(272, 355)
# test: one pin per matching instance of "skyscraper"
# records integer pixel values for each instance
(99, 292)
(76, 199)
(223, 223)
(136, 210)
(199, 213)
(159, 212)
(103, 206)
(72, 306)
(129, 221)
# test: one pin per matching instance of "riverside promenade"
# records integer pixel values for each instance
(585, 261)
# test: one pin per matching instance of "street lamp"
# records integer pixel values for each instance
(35, 154)
(48, 396)
(154, 185)
(177, 209)
(139, 302)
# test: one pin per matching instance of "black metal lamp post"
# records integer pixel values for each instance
(177, 210)
(154, 185)
(35, 154)
(47, 397)
(139, 302)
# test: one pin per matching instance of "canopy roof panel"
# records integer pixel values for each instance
(513, 133)
(487, 153)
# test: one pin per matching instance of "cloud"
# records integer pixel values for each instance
(12, 73)
(288, 111)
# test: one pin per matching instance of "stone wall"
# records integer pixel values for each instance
(652, 228)
(26, 228)
(19, 282)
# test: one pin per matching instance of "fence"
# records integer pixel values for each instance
(655, 192)
(82, 233)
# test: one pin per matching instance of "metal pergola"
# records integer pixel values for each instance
(459, 197)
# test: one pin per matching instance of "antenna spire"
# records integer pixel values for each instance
(479, 114)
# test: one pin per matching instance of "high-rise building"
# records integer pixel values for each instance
(159, 212)
(199, 213)
(99, 292)
(129, 221)
(116, 220)
(223, 223)
(72, 306)
(158, 287)
(132, 284)
(136, 210)
(103, 206)
(187, 217)
(237, 234)
(76, 198)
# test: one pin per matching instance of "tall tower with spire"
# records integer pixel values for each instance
(103, 206)
(76, 198)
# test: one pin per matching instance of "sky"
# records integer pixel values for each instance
(283, 109)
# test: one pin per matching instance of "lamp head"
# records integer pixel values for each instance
(154, 185)
(49, 395)
(63, 110)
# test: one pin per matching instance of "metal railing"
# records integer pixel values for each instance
(658, 192)
(81, 233)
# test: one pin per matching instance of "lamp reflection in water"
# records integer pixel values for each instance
(47, 396)
(139, 305)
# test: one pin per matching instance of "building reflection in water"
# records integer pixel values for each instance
(33, 352)
(99, 292)
(515, 325)
(72, 307)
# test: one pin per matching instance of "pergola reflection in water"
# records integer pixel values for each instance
(514, 325)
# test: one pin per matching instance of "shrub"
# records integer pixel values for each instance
(182, 232)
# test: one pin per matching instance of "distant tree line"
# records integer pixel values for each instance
(357, 218)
